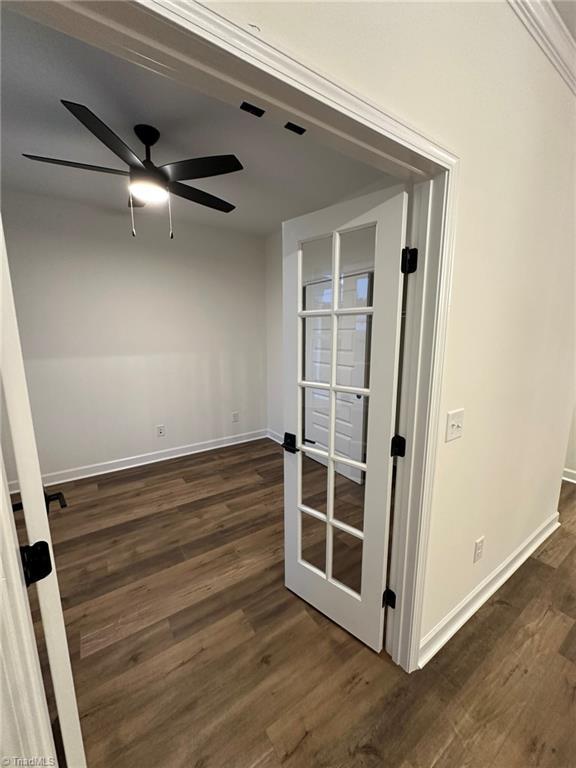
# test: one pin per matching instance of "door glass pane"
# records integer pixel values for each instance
(355, 280)
(317, 348)
(351, 426)
(313, 541)
(315, 417)
(347, 559)
(314, 489)
(317, 274)
(349, 489)
(353, 350)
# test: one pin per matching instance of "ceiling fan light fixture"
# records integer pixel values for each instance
(148, 192)
(150, 183)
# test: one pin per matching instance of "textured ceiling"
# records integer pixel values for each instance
(284, 175)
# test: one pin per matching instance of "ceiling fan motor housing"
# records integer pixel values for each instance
(149, 173)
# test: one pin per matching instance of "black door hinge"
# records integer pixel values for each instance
(48, 499)
(289, 443)
(409, 261)
(389, 598)
(36, 561)
(398, 446)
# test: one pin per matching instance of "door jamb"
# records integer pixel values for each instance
(36, 520)
(418, 422)
(192, 43)
(22, 692)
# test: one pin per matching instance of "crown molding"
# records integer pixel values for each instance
(543, 22)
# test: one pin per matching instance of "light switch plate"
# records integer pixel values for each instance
(478, 549)
(454, 425)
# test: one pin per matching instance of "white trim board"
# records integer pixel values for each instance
(458, 616)
(545, 25)
(569, 475)
(117, 465)
(274, 436)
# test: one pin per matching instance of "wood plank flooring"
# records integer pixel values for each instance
(188, 651)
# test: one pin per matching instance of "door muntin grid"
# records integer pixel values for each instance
(330, 303)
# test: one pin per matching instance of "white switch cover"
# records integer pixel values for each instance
(160, 430)
(478, 549)
(454, 425)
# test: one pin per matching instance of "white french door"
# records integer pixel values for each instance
(25, 726)
(342, 313)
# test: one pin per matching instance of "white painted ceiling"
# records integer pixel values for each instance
(284, 175)
(567, 11)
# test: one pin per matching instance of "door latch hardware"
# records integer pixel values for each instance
(36, 562)
(289, 443)
(398, 446)
(409, 261)
(389, 598)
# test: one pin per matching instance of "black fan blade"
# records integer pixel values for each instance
(103, 133)
(201, 167)
(71, 164)
(198, 196)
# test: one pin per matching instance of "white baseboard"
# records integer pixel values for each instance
(274, 436)
(451, 623)
(78, 473)
(569, 475)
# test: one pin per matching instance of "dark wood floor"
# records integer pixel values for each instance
(188, 651)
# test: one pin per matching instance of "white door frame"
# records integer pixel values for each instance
(25, 721)
(37, 528)
(193, 44)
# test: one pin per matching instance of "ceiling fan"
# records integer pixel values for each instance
(150, 183)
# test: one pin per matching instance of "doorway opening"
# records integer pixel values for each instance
(340, 451)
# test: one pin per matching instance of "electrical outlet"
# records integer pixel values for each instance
(478, 549)
(235, 417)
(454, 425)
(160, 430)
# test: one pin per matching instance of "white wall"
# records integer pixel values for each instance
(120, 334)
(570, 464)
(470, 76)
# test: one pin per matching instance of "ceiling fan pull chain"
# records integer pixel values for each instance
(132, 213)
(170, 217)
